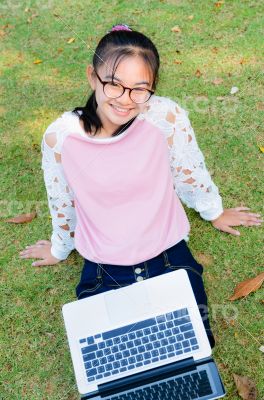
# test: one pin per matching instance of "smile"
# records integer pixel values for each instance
(121, 111)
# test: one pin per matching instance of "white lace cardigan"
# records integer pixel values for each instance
(192, 181)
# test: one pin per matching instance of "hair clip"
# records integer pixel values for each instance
(120, 27)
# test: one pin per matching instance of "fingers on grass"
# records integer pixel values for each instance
(241, 208)
(232, 231)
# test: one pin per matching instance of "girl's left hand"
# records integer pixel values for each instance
(235, 217)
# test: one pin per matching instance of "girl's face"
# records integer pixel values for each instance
(131, 72)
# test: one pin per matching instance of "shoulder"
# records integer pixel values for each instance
(166, 114)
(57, 130)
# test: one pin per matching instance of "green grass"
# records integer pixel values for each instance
(35, 358)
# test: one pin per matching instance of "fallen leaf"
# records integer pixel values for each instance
(198, 73)
(71, 40)
(242, 61)
(260, 106)
(217, 81)
(38, 61)
(176, 29)
(177, 61)
(246, 387)
(22, 218)
(218, 4)
(250, 285)
(261, 148)
(234, 90)
(60, 50)
(190, 17)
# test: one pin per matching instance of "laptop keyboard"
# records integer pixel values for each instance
(139, 344)
(192, 386)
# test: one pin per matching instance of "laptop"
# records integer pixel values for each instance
(143, 341)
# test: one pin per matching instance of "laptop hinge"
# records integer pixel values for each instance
(146, 376)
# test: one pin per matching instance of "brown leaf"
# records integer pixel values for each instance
(217, 81)
(38, 61)
(71, 40)
(22, 218)
(177, 61)
(218, 4)
(176, 29)
(247, 286)
(198, 73)
(246, 387)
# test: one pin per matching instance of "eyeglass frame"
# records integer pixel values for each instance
(124, 89)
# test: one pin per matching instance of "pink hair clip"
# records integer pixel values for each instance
(120, 27)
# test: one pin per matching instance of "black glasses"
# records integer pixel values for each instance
(114, 90)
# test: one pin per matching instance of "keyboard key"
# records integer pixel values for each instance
(186, 327)
(88, 365)
(153, 337)
(179, 352)
(162, 350)
(187, 350)
(139, 357)
(147, 331)
(168, 333)
(131, 366)
(170, 348)
(114, 349)
(118, 356)
(109, 342)
(110, 358)
(181, 321)
(161, 318)
(149, 346)
(155, 359)
(147, 362)
(172, 340)
(103, 360)
(154, 353)
(132, 336)
(156, 345)
(101, 369)
(163, 357)
(107, 374)
(147, 355)
(140, 364)
(108, 367)
(145, 340)
(162, 327)
(195, 347)
(154, 329)
(179, 337)
(124, 362)
(95, 363)
(177, 346)
(189, 334)
(164, 342)
(90, 340)
(141, 349)
(89, 349)
(114, 372)
(89, 357)
(180, 313)
(91, 372)
(122, 346)
(97, 336)
(137, 342)
(171, 354)
(101, 345)
(123, 369)
(169, 316)
(175, 330)
(116, 364)
(124, 338)
(185, 343)
(132, 327)
(193, 341)
(116, 340)
(99, 354)
(126, 353)
(139, 334)
(130, 344)
(83, 341)
(160, 335)
(92, 378)
(169, 324)
(131, 360)
(133, 351)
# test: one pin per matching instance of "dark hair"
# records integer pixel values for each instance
(117, 45)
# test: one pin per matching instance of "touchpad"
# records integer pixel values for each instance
(126, 304)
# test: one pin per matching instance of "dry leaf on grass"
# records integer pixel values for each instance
(261, 148)
(218, 4)
(176, 29)
(246, 387)
(217, 81)
(177, 62)
(250, 285)
(38, 61)
(71, 40)
(198, 73)
(22, 218)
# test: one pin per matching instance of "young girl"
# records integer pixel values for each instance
(115, 170)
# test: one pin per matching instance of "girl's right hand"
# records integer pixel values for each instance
(41, 249)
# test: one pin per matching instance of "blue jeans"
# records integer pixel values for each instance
(98, 278)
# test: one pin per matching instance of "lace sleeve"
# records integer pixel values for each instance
(192, 181)
(60, 195)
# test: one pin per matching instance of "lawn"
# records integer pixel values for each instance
(219, 45)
